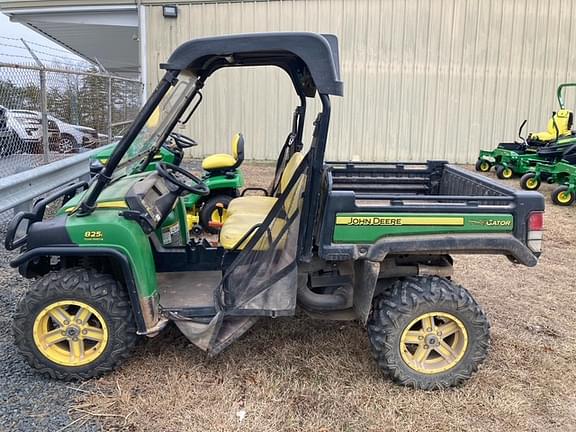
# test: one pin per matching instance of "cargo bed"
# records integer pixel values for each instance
(373, 209)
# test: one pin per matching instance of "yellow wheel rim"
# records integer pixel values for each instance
(215, 216)
(70, 333)
(564, 197)
(532, 183)
(507, 173)
(433, 342)
(484, 166)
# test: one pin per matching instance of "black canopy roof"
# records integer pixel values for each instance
(311, 59)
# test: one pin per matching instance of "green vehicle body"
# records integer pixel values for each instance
(371, 227)
(103, 229)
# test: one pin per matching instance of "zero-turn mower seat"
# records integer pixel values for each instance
(564, 119)
(224, 161)
(258, 204)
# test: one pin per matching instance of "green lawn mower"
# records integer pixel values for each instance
(519, 157)
(222, 176)
(562, 173)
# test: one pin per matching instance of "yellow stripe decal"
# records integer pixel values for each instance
(399, 221)
(112, 204)
(105, 205)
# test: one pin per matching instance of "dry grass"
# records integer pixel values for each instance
(305, 375)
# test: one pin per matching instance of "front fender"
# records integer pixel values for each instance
(145, 309)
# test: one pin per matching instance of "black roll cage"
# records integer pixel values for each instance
(312, 62)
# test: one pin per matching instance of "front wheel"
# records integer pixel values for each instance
(428, 333)
(530, 181)
(74, 324)
(562, 196)
(482, 165)
(503, 172)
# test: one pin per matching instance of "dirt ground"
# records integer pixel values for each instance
(304, 375)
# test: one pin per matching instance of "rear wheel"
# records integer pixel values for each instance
(504, 173)
(213, 213)
(428, 333)
(482, 165)
(529, 181)
(562, 196)
(74, 324)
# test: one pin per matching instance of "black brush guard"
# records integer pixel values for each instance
(37, 214)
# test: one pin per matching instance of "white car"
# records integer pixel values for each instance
(65, 137)
(36, 117)
(20, 132)
(73, 137)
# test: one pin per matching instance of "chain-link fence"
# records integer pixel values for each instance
(49, 111)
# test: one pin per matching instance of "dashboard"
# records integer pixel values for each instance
(150, 201)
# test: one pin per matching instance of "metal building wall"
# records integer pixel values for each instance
(423, 78)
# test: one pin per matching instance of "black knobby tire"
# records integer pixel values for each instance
(101, 292)
(504, 173)
(529, 181)
(562, 196)
(208, 208)
(482, 165)
(409, 298)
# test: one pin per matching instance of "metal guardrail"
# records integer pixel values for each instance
(19, 190)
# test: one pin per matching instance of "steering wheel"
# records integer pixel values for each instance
(172, 173)
(182, 141)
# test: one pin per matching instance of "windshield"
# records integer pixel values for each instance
(164, 116)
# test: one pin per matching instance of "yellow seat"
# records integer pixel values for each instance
(258, 204)
(224, 161)
(252, 212)
(237, 226)
(218, 162)
(563, 119)
(251, 205)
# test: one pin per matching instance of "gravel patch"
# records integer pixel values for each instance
(28, 401)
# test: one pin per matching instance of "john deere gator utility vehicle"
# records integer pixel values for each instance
(222, 176)
(520, 156)
(371, 242)
(562, 173)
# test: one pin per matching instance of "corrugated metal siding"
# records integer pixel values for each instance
(423, 78)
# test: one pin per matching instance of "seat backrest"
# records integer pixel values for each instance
(238, 149)
(289, 170)
(563, 119)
